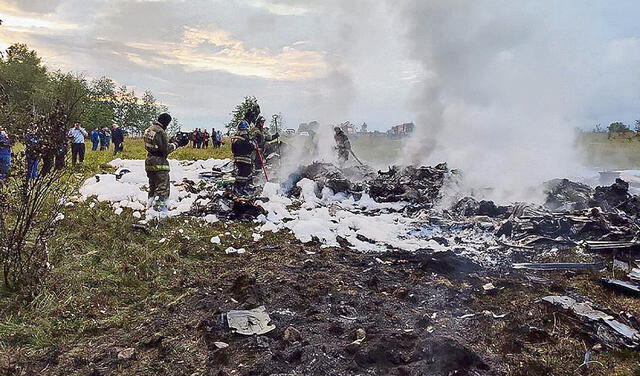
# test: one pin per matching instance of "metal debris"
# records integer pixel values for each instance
(255, 321)
(559, 266)
(619, 334)
(624, 286)
(596, 245)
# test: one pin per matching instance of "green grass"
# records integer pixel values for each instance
(619, 153)
(105, 274)
(134, 149)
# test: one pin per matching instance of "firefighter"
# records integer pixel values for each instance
(343, 145)
(158, 148)
(261, 137)
(243, 148)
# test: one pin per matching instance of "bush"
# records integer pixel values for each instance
(30, 205)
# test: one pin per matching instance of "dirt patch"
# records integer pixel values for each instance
(420, 313)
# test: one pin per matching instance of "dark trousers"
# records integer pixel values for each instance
(117, 147)
(159, 184)
(77, 153)
(48, 162)
(94, 145)
(5, 165)
(32, 167)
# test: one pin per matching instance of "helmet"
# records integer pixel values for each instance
(260, 120)
(337, 129)
(252, 113)
(243, 125)
(164, 119)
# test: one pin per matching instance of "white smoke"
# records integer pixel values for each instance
(502, 86)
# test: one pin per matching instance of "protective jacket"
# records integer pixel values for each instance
(261, 137)
(242, 147)
(342, 141)
(343, 145)
(158, 148)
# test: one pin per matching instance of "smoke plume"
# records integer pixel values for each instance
(500, 91)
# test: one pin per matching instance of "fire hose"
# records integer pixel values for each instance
(262, 163)
(352, 153)
(275, 121)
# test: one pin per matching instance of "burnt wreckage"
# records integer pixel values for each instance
(601, 222)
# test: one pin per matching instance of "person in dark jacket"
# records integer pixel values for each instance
(261, 137)
(5, 154)
(198, 137)
(343, 145)
(103, 138)
(243, 149)
(95, 139)
(32, 155)
(117, 135)
(205, 139)
(54, 158)
(158, 148)
(214, 138)
(107, 138)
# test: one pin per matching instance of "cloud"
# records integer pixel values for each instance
(331, 60)
(280, 9)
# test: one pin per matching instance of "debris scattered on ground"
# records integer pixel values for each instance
(623, 286)
(232, 250)
(559, 266)
(455, 249)
(613, 333)
(250, 322)
(220, 345)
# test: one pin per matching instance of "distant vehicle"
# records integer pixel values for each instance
(304, 133)
(289, 132)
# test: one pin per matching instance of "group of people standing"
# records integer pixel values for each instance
(103, 137)
(53, 154)
(200, 138)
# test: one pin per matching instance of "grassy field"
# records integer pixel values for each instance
(619, 153)
(108, 279)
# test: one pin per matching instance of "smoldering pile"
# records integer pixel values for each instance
(419, 186)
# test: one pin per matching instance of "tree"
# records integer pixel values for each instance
(238, 113)
(125, 110)
(21, 75)
(363, 128)
(66, 91)
(636, 127)
(30, 88)
(618, 127)
(100, 108)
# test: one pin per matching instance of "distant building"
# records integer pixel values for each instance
(402, 129)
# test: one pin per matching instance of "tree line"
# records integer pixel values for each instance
(32, 89)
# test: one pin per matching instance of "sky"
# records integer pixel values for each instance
(360, 60)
